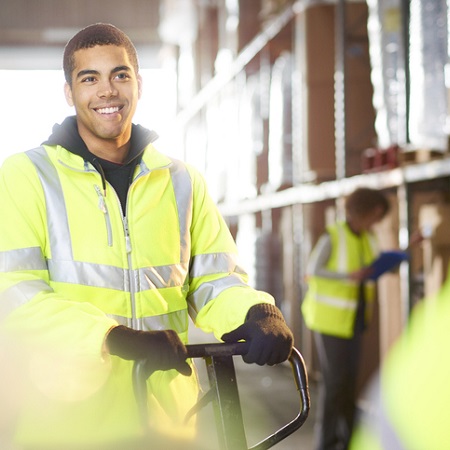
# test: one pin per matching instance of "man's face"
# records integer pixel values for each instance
(105, 91)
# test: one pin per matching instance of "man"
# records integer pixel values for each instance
(107, 247)
(337, 308)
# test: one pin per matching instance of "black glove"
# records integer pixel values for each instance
(163, 350)
(270, 338)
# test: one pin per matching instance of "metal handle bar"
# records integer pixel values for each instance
(219, 349)
(301, 381)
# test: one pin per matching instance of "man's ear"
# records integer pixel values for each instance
(68, 94)
(140, 82)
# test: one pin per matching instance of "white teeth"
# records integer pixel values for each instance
(108, 110)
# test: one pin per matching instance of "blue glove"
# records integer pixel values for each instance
(270, 339)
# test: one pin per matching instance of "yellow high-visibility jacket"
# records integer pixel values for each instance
(72, 266)
(329, 306)
(410, 396)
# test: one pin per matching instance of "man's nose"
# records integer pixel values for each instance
(106, 90)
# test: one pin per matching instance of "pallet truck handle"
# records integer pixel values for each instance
(231, 349)
(301, 380)
(300, 377)
(217, 349)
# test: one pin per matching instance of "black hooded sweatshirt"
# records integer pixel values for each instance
(119, 176)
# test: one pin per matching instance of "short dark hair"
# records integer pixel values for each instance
(93, 35)
(363, 201)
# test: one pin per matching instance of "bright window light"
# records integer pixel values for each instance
(34, 101)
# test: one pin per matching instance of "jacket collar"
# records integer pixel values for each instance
(66, 135)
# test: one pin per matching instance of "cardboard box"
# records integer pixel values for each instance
(391, 309)
(315, 49)
(434, 220)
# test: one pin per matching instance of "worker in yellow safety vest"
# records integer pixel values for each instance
(107, 246)
(337, 308)
(408, 400)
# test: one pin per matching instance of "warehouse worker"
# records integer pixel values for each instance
(337, 308)
(409, 399)
(107, 246)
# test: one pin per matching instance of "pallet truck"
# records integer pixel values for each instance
(224, 395)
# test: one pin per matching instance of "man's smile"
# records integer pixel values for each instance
(108, 110)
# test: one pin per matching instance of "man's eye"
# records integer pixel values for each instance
(88, 80)
(122, 76)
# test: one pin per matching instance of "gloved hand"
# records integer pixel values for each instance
(163, 350)
(270, 338)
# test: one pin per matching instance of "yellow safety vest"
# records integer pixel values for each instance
(410, 397)
(72, 266)
(329, 306)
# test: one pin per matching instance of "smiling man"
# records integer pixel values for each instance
(109, 247)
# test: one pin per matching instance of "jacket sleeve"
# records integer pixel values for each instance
(317, 263)
(219, 294)
(31, 313)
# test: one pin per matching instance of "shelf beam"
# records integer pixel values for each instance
(307, 193)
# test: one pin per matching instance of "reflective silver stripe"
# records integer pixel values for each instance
(111, 277)
(342, 260)
(182, 186)
(176, 320)
(211, 289)
(214, 263)
(376, 420)
(22, 259)
(21, 293)
(58, 226)
(340, 303)
(162, 276)
(89, 274)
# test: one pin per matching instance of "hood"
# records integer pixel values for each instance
(66, 135)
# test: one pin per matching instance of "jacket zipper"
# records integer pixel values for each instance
(134, 322)
(102, 206)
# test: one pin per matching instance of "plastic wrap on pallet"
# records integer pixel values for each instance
(280, 123)
(428, 58)
(388, 75)
(229, 162)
